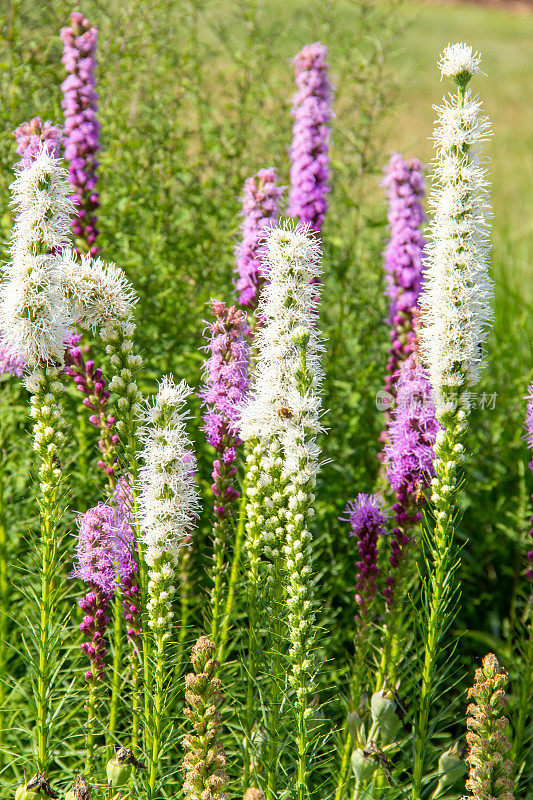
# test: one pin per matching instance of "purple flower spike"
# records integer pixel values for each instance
(259, 211)
(529, 439)
(367, 519)
(310, 143)
(82, 128)
(404, 182)
(91, 383)
(30, 135)
(225, 386)
(409, 457)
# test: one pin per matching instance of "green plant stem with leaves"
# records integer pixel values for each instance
(439, 590)
(117, 662)
(47, 439)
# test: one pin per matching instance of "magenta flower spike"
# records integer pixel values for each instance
(82, 128)
(261, 198)
(409, 456)
(310, 143)
(368, 521)
(11, 363)
(225, 386)
(91, 383)
(404, 183)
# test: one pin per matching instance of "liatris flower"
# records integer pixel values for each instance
(168, 504)
(310, 142)
(32, 135)
(226, 383)
(403, 259)
(205, 760)
(81, 125)
(455, 300)
(11, 363)
(283, 414)
(490, 772)
(368, 522)
(91, 382)
(455, 317)
(529, 439)
(409, 457)
(259, 210)
(34, 314)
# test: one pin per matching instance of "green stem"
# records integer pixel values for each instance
(89, 730)
(219, 553)
(184, 568)
(526, 691)
(135, 698)
(157, 714)
(4, 602)
(117, 659)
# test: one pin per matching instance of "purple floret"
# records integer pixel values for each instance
(310, 143)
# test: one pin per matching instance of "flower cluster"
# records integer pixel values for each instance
(490, 774)
(259, 211)
(32, 135)
(368, 521)
(90, 381)
(310, 143)
(205, 760)
(48, 289)
(409, 456)
(225, 387)
(168, 497)
(403, 259)
(104, 554)
(81, 125)
(11, 363)
(455, 300)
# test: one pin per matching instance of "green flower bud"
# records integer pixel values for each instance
(356, 726)
(25, 794)
(362, 766)
(118, 774)
(451, 770)
(383, 709)
(80, 789)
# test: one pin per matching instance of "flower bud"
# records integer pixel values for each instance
(362, 766)
(451, 770)
(384, 715)
(118, 772)
(23, 793)
(356, 726)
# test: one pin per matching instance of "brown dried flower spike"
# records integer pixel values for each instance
(204, 763)
(490, 772)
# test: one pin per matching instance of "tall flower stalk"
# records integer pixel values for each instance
(225, 386)
(82, 128)
(261, 198)
(404, 182)
(490, 775)
(283, 415)
(310, 137)
(168, 505)
(455, 317)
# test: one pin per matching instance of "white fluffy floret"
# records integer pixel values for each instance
(288, 308)
(459, 59)
(97, 291)
(455, 303)
(168, 497)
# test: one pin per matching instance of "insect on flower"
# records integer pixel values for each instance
(40, 782)
(285, 413)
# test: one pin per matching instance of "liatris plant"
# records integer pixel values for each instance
(409, 456)
(225, 386)
(283, 415)
(529, 439)
(490, 775)
(261, 198)
(367, 523)
(456, 313)
(404, 182)
(11, 363)
(205, 760)
(168, 505)
(90, 381)
(310, 143)
(32, 135)
(81, 126)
